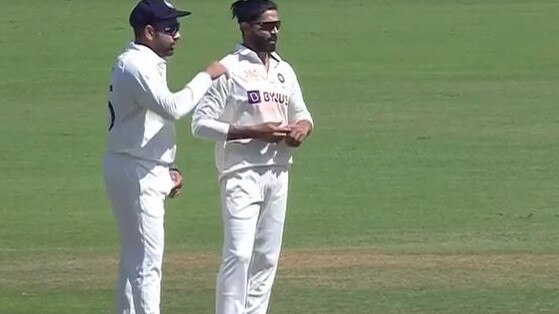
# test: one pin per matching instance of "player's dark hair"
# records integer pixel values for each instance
(138, 32)
(250, 10)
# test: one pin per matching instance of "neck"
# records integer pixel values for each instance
(262, 55)
(265, 57)
(144, 43)
(139, 41)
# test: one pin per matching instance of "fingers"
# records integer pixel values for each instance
(296, 137)
(299, 137)
(274, 137)
(300, 129)
(298, 134)
(216, 69)
(278, 127)
(174, 192)
(280, 134)
(282, 129)
(291, 142)
(176, 177)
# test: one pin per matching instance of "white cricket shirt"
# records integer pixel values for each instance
(142, 110)
(249, 96)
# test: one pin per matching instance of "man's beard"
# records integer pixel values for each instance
(263, 45)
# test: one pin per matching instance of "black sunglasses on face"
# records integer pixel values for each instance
(268, 26)
(170, 30)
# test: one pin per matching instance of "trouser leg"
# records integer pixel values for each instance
(124, 301)
(137, 200)
(267, 246)
(142, 257)
(241, 199)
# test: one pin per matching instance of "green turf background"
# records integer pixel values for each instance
(436, 133)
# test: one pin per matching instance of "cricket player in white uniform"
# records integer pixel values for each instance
(257, 116)
(140, 149)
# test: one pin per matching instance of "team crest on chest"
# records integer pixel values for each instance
(281, 78)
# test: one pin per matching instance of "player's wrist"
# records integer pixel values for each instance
(236, 132)
(241, 132)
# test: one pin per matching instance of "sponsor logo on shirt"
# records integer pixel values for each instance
(275, 97)
(255, 97)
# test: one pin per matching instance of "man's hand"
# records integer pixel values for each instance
(270, 132)
(299, 131)
(176, 176)
(216, 69)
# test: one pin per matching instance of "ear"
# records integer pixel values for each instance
(149, 32)
(245, 27)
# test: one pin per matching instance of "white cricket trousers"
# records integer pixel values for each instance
(253, 211)
(137, 190)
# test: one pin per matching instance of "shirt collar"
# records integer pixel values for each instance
(146, 51)
(250, 54)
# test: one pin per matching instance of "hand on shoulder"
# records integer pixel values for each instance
(216, 69)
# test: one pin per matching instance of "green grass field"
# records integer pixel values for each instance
(430, 185)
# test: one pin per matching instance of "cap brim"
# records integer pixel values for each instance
(181, 13)
(175, 14)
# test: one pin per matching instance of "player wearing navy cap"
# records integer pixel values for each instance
(140, 148)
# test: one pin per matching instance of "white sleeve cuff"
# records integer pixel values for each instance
(211, 129)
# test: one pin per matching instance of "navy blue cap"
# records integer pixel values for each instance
(150, 12)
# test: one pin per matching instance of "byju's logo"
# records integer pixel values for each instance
(254, 96)
(275, 97)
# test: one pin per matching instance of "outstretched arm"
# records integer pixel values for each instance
(152, 91)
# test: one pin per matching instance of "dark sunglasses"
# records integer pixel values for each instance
(268, 26)
(170, 30)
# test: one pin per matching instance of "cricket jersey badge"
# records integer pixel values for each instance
(281, 78)
(169, 4)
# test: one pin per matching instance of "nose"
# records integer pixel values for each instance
(177, 36)
(275, 30)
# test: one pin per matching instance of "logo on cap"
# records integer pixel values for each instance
(169, 4)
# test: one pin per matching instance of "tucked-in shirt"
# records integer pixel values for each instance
(142, 110)
(251, 95)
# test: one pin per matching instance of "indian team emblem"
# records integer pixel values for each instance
(281, 78)
(169, 4)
